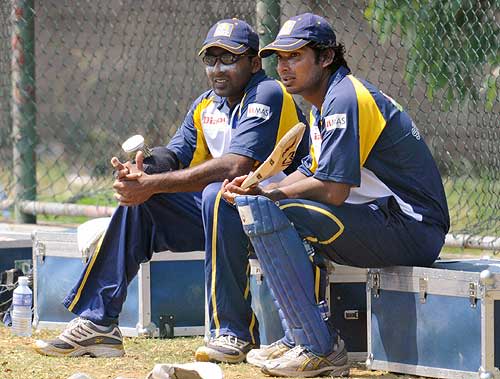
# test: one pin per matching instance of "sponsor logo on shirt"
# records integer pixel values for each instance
(415, 132)
(336, 121)
(259, 111)
(316, 140)
(211, 119)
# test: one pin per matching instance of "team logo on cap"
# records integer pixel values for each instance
(224, 29)
(287, 28)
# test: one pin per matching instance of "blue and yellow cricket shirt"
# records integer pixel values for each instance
(362, 137)
(252, 128)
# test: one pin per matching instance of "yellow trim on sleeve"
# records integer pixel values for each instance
(370, 120)
(201, 152)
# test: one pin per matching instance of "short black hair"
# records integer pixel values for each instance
(338, 59)
(251, 52)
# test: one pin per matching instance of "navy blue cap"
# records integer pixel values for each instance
(233, 35)
(298, 32)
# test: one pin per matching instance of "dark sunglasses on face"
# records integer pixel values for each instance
(225, 59)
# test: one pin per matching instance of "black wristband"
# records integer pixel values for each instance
(161, 160)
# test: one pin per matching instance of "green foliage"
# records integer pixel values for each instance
(451, 44)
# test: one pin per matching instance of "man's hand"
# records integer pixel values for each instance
(128, 170)
(131, 186)
(232, 189)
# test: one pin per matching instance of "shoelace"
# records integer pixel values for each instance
(295, 352)
(73, 328)
(276, 343)
(229, 340)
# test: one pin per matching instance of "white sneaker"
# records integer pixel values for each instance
(228, 349)
(258, 357)
(83, 337)
(300, 362)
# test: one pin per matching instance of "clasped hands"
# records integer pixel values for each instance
(131, 182)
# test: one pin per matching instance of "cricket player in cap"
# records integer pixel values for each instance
(369, 195)
(171, 201)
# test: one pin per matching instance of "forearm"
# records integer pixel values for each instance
(310, 188)
(290, 179)
(198, 177)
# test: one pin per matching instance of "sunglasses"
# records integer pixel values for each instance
(225, 59)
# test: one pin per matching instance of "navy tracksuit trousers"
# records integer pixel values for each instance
(179, 222)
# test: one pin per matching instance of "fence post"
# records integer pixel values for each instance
(268, 22)
(23, 106)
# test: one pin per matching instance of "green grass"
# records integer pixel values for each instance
(19, 361)
(457, 252)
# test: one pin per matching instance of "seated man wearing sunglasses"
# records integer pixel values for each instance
(171, 201)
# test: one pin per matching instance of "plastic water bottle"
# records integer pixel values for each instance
(21, 308)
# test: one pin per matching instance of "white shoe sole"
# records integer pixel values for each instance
(256, 362)
(204, 354)
(105, 351)
(342, 371)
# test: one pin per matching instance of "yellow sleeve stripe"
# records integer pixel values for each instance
(371, 122)
(288, 117)
(201, 152)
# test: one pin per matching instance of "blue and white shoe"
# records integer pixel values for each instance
(228, 349)
(83, 337)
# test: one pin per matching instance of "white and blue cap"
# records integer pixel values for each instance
(298, 31)
(233, 35)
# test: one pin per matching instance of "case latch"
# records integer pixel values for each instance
(473, 294)
(167, 324)
(375, 283)
(40, 250)
(422, 290)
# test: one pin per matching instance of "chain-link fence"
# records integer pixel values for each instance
(104, 70)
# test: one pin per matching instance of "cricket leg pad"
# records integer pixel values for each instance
(287, 268)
